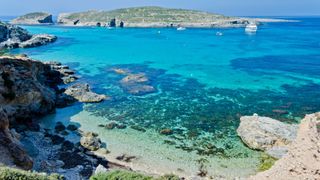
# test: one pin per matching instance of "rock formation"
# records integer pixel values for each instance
(303, 158)
(82, 93)
(28, 89)
(35, 18)
(90, 141)
(38, 40)
(14, 37)
(266, 134)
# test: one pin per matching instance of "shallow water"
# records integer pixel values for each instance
(204, 84)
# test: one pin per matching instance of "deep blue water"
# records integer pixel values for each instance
(203, 82)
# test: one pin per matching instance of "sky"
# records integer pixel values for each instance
(226, 7)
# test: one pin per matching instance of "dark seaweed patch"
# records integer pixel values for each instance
(299, 64)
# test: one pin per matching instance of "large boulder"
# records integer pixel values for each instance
(90, 141)
(82, 93)
(34, 19)
(266, 134)
(303, 158)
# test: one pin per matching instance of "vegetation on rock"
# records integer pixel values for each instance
(13, 174)
(124, 175)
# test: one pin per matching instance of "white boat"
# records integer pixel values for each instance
(251, 28)
(219, 34)
(181, 28)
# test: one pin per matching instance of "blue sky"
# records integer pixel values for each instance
(228, 7)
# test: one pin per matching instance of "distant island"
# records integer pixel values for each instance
(34, 18)
(149, 16)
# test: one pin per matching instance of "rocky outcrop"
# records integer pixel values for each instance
(16, 37)
(303, 158)
(26, 90)
(266, 134)
(66, 74)
(35, 18)
(38, 40)
(90, 141)
(82, 93)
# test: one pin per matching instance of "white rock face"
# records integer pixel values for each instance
(266, 134)
(100, 169)
(303, 158)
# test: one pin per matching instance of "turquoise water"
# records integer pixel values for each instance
(203, 82)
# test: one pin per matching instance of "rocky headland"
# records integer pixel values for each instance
(35, 18)
(30, 89)
(12, 36)
(155, 17)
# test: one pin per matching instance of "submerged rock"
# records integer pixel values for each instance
(137, 84)
(33, 19)
(267, 134)
(82, 93)
(90, 141)
(166, 131)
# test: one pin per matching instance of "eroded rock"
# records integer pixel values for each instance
(302, 160)
(38, 40)
(90, 141)
(267, 134)
(82, 92)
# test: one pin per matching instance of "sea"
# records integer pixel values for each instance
(204, 81)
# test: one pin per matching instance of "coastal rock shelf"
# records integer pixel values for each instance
(16, 37)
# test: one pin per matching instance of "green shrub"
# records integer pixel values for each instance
(128, 175)
(7, 173)
(120, 175)
(266, 162)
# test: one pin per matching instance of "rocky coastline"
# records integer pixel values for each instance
(29, 89)
(12, 36)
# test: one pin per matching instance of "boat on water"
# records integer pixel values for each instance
(219, 34)
(181, 28)
(251, 28)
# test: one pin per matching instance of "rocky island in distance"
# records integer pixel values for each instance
(148, 16)
(35, 18)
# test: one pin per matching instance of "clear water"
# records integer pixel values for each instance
(204, 84)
